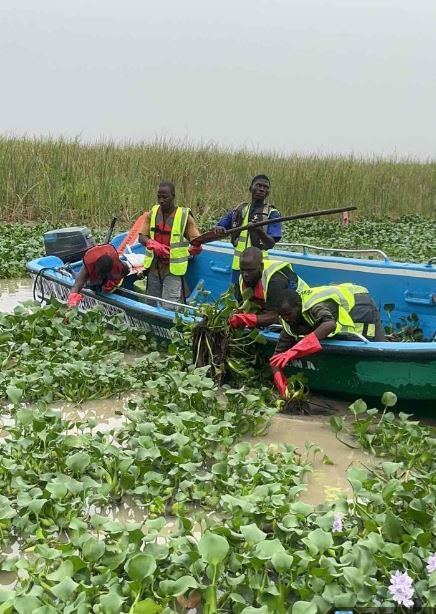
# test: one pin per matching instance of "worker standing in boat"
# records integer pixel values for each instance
(102, 270)
(258, 210)
(262, 281)
(318, 313)
(165, 234)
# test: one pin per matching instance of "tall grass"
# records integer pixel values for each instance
(64, 181)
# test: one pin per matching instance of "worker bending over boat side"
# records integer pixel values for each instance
(262, 281)
(258, 210)
(102, 270)
(318, 313)
(165, 234)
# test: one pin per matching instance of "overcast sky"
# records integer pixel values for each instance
(293, 76)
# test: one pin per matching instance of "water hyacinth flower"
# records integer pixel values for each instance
(431, 563)
(337, 523)
(401, 588)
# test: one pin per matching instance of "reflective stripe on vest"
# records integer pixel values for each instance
(179, 246)
(342, 294)
(244, 239)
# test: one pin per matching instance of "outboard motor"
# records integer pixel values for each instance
(68, 244)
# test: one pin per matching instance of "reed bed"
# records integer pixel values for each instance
(64, 181)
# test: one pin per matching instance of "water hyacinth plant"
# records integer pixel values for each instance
(401, 588)
(241, 538)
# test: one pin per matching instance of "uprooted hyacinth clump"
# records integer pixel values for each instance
(244, 542)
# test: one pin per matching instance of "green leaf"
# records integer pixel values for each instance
(78, 462)
(321, 539)
(392, 528)
(140, 566)
(175, 588)
(93, 549)
(266, 549)
(354, 577)
(358, 407)
(26, 604)
(389, 399)
(252, 533)
(336, 424)
(304, 607)
(282, 561)
(346, 600)
(65, 570)
(14, 394)
(111, 603)
(6, 595)
(213, 548)
(147, 606)
(64, 589)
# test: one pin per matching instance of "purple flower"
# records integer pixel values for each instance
(337, 523)
(401, 588)
(431, 563)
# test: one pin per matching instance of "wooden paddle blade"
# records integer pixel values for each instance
(132, 236)
(206, 237)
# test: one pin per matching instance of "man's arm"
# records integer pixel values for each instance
(279, 281)
(191, 230)
(272, 234)
(144, 235)
(80, 281)
(225, 223)
(324, 315)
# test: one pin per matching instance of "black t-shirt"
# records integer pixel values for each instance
(286, 278)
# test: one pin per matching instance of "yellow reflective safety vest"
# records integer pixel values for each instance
(342, 294)
(270, 268)
(179, 246)
(244, 239)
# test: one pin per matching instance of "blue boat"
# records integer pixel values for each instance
(356, 368)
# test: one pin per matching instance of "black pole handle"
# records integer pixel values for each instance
(288, 218)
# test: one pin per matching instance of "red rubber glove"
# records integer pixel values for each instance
(308, 345)
(281, 383)
(161, 250)
(243, 319)
(73, 299)
(110, 285)
(194, 250)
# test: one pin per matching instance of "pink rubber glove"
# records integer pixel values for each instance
(73, 299)
(308, 345)
(243, 319)
(161, 250)
(194, 250)
(281, 383)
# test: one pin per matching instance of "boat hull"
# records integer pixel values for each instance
(346, 368)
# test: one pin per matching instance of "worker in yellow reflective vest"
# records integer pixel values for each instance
(261, 281)
(166, 234)
(258, 210)
(318, 313)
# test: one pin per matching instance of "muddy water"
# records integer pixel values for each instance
(324, 484)
(326, 481)
(14, 291)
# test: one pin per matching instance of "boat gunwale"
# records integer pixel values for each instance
(376, 349)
